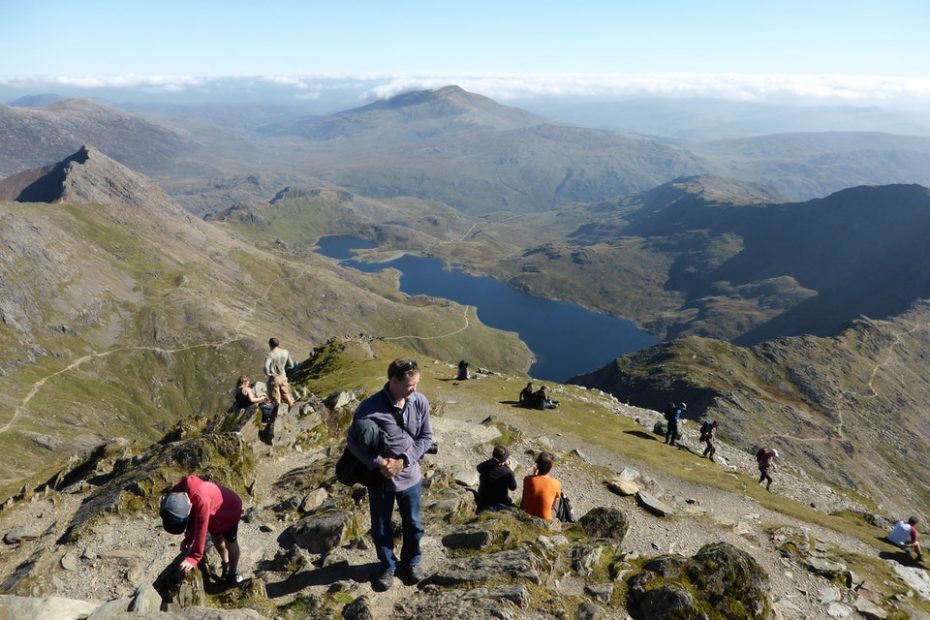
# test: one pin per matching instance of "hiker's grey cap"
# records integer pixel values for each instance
(176, 505)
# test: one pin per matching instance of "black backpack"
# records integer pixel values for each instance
(563, 510)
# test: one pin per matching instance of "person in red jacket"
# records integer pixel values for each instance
(195, 507)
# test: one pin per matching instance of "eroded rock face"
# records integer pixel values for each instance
(494, 567)
(719, 582)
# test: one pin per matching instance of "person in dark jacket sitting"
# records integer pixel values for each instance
(495, 481)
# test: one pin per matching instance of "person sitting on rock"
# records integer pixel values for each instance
(526, 395)
(766, 459)
(540, 490)
(245, 395)
(463, 373)
(195, 507)
(495, 481)
(904, 535)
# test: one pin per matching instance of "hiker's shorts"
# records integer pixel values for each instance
(233, 534)
(278, 389)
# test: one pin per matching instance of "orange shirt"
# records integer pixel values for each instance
(539, 493)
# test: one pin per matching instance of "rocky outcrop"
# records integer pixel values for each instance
(719, 582)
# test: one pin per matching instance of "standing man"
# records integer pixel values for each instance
(766, 459)
(195, 507)
(402, 414)
(672, 415)
(709, 437)
(277, 364)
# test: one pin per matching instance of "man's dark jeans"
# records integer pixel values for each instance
(381, 507)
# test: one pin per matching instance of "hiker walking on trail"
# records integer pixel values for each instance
(540, 490)
(673, 413)
(904, 535)
(709, 437)
(402, 414)
(766, 459)
(277, 364)
(495, 481)
(195, 507)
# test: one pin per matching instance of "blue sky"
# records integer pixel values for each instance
(110, 40)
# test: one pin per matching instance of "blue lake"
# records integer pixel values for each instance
(565, 338)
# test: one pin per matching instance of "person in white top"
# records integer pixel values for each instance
(904, 535)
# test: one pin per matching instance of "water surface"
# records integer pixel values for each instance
(566, 338)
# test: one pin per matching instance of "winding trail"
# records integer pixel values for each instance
(840, 433)
(452, 333)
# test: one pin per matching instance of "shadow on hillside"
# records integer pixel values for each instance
(642, 435)
(513, 403)
(901, 557)
(320, 577)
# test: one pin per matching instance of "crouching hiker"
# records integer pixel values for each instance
(195, 507)
(709, 437)
(904, 536)
(765, 457)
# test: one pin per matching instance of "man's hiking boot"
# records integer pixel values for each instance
(234, 579)
(411, 575)
(383, 581)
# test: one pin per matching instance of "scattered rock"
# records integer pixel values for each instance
(590, 611)
(602, 592)
(653, 505)
(605, 523)
(827, 568)
(838, 610)
(470, 538)
(915, 578)
(18, 535)
(359, 609)
(314, 500)
(585, 558)
(466, 477)
(628, 474)
(69, 561)
(622, 487)
(725, 578)
(500, 566)
(320, 531)
(868, 609)
(146, 599)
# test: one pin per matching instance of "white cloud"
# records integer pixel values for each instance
(862, 89)
(742, 87)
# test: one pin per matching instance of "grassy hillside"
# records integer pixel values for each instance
(118, 322)
(851, 408)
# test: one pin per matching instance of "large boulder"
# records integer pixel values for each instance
(49, 608)
(502, 601)
(719, 583)
(320, 531)
(606, 523)
(503, 566)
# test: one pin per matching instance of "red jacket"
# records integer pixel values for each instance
(214, 508)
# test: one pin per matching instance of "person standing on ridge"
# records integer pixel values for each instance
(904, 535)
(402, 414)
(495, 481)
(766, 459)
(277, 364)
(195, 507)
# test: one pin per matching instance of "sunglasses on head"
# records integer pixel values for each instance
(408, 366)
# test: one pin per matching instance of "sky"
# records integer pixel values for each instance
(740, 49)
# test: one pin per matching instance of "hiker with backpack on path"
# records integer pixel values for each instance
(709, 437)
(766, 459)
(673, 413)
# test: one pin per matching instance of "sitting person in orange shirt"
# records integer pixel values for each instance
(540, 491)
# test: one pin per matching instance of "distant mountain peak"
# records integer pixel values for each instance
(88, 176)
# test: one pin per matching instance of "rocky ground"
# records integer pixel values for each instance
(648, 544)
